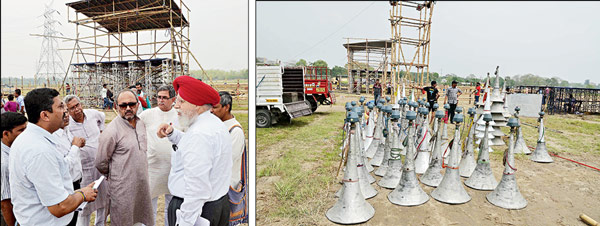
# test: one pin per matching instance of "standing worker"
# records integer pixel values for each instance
(20, 100)
(140, 93)
(432, 94)
(238, 188)
(452, 94)
(477, 92)
(159, 149)
(377, 90)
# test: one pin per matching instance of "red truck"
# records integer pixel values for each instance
(317, 87)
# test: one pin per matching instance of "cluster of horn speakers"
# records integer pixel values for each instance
(394, 140)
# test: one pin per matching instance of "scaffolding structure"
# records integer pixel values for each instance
(410, 41)
(367, 60)
(145, 41)
(566, 100)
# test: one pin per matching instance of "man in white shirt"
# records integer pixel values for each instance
(159, 149)
(239, 185)
(20, 101)
(69, 146)
(40, 184)
(223, 111)
(103, 93)
(201, 162)
(88, 124)
(13, 124)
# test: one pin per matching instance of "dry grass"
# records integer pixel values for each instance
(295, 163)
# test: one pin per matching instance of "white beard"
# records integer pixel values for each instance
(186, 119)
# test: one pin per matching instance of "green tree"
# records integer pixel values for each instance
(337, 70)
(564, 83)
(301, 62)
(319, 63)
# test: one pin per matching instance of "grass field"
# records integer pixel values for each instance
(297, 165)
(295, 161)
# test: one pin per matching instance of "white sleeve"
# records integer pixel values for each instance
(102, 117)
(176, 136)
(197, 164)
(238, 143)
(74, 160)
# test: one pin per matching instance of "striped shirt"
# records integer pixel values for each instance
(4, 170)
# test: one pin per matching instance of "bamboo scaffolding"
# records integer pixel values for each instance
(113, 52)
(416, 70)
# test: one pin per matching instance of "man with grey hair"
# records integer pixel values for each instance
(88, 124)
(69, 146)
(159, 149)
(122, 158)
(238, 186)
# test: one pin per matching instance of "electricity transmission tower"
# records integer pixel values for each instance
(50, 65)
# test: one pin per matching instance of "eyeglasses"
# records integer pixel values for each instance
(74, 107)
(130, 104)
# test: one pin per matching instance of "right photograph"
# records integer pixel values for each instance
(427, 113)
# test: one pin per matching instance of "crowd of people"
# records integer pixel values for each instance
(61, 163)
(451, 97)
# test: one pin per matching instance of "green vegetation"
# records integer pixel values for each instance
(514, 80)
(307, 157)
(301, 62)
(217, 74)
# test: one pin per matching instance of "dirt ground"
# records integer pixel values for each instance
(557, 193)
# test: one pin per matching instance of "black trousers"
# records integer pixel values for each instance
(73, 222)
(451, 112)
(217, 212)
(431, 103)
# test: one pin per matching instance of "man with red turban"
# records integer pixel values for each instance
(201, 162)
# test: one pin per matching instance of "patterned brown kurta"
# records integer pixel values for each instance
(122, 156)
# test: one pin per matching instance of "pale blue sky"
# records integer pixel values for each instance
(544, 38)
(218, 30)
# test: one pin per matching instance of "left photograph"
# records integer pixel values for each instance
(119, 112)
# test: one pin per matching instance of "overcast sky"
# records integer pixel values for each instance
(543, 38)
(218, 32)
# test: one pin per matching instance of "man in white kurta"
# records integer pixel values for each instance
(159, 149)
(201, 164)
(69, 146)
(88, 124)
(239, 185)
(223, 111)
